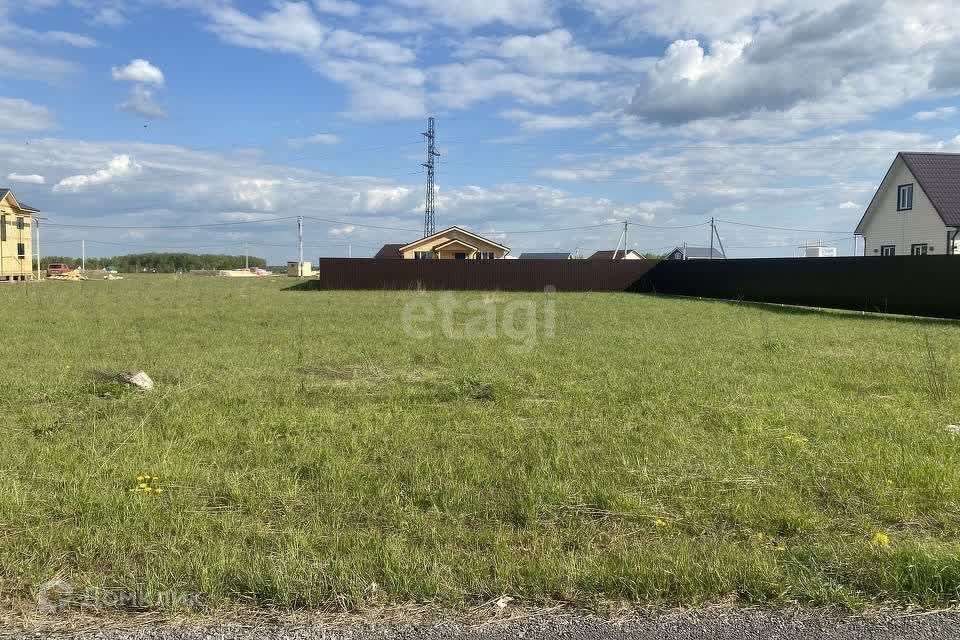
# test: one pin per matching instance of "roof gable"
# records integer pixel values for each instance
(417, 243)
(22, 206)
(455, 242)
(937, 175)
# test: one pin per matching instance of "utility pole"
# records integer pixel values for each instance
(626, 239)
(713, 230)
(300, 233)
(430, 207)
(246, 254)
(83, 255)
(36, 224)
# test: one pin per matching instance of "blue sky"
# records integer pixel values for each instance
(550, 114)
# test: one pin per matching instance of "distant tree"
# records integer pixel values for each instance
(162, 262)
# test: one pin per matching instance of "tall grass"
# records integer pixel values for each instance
(310, 451)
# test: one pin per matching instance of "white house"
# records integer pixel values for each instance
(916, 210)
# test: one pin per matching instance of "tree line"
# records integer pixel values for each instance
(162, 262)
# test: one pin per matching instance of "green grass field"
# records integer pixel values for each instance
(311, 448)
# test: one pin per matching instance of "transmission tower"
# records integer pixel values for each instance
(429, 212)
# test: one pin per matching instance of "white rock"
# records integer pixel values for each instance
(138, 379)
(952, 429)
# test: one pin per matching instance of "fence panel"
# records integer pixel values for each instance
(481, 275)
(914, 285)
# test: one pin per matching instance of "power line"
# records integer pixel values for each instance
(762, 226)
(173, 226)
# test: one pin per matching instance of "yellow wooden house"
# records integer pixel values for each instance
(16, 238)
(453, 243)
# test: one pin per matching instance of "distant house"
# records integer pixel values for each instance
(389, 251)
(916, 209)
(695, 253)
(546, 256)
(454, 243)
(629, 254)
(16, 238)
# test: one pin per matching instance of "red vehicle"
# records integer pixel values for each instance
(57, 268)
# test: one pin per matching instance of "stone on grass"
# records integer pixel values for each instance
(138, 379)
(952, 429)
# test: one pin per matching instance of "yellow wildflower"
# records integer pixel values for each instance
(880, 540)
(140, 478)
(659, 523)
(159, 490)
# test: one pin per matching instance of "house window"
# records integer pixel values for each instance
(484, 255)
(423, 255)
(918, 249)
(3, 228)
(905, 197)
(888, 250)
(20, 223)
(460, 256)
(21, 250)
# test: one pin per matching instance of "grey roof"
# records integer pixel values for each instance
(546, 256)
(608, 255)
(389, 251)
(939, 176)
(3, 193)
(698, 252)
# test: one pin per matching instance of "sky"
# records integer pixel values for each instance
(138, 125)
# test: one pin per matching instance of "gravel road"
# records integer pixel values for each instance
(713, 624)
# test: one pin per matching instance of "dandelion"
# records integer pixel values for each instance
(141, 478)
(880, 540)
(780, 548)
(659, 523)
(159, 490)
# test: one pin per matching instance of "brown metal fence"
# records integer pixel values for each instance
(481, 275)
(913, 285)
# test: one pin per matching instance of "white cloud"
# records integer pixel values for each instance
(556, 52)
(468, 14)
(139, 71)
(549, 122)
(16, 63)
(342, 8)
(120, 166)
(803, 65)
(319, 138)
(849, 204)
(942, 113)
(26, 179)
(21, 115)
(377, 71)
(142, 102)
(345, 230)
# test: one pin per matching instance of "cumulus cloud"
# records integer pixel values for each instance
(17, 114)
(144, 77)
(828, 63)
(139, 71)
(849, 204)
(26, 179)
(120, 166)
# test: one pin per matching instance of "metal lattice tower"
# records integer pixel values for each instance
(430, 209)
